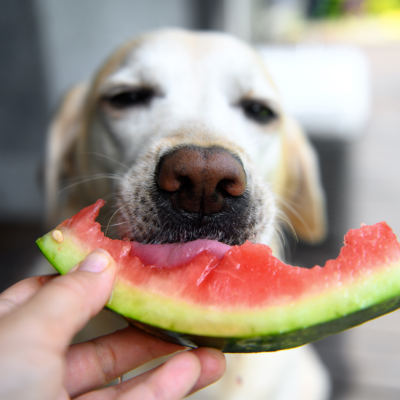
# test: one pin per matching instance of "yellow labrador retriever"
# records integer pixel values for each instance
(184, 136)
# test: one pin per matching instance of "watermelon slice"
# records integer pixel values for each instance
(240, 298)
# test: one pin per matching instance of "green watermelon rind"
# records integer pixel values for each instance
(271, 329)
(276, 342)
(62, 256)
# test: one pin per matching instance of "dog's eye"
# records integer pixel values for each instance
(131, 98)
(258, 111)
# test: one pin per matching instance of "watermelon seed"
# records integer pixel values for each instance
(57, 236)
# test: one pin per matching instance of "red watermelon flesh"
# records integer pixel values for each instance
(208, 289)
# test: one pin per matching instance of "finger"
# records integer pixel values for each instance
(106, 358)
(66, 303)
(213, 365)
(21, 292)
(170, 381)
(63, 395)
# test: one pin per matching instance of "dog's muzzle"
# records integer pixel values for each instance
(200, 193)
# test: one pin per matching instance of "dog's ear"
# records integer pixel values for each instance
(60, 148)
(303, 198)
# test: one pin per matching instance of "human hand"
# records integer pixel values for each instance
(39, 317)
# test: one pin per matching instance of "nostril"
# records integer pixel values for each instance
(235, 187)
(168, 179)
(201, 179)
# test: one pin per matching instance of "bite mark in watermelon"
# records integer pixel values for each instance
(242, 298)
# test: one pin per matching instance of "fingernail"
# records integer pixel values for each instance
(97, 261)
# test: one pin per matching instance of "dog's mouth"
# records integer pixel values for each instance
(174, 255)
(197, 199)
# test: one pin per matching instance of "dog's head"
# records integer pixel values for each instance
(191, 128)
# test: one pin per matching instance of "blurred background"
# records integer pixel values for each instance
(337, 64)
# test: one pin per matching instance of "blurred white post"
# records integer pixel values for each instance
(237, 18)
(326, 88)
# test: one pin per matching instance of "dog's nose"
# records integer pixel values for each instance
(200, 180)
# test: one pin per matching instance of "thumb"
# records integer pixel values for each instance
(66, 303)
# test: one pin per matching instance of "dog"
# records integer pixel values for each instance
(184, 135)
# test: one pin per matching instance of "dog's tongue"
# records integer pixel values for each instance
(173, 255)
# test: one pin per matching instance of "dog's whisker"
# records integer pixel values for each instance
(108, 225)
(291, 196)
(107, 158)
(293, 210)
(116, 224)
(94, 177)
(281, 243)
(285, 219)
(280, 234)
(108, 175)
